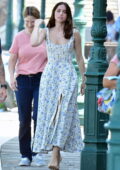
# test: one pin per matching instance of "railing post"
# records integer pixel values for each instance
(93, 156)
(21, 21)
(9, 25)
(113, 154)
(42, 14)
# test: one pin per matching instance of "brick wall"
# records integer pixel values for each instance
(112, 5)
(49, 5)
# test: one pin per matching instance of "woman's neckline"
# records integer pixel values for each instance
(29, 34)
(60, 44)
(56, 43)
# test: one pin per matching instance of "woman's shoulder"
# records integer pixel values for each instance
(20, 34)
(114, 59)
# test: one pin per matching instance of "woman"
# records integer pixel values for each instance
(113, 70)
(60, 126)
(28, 64)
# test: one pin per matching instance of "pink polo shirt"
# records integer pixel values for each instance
(31, 60)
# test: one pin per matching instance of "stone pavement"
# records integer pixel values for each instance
(8, 126)
(9, 152)
(10, 158)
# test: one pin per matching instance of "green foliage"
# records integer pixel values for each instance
(2, 106)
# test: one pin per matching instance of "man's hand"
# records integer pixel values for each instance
(3, 94)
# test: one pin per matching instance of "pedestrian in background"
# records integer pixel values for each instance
(3, 85)
(59, 129)
(113, 71)
(26, 65)
(110, 23)
(117, 28)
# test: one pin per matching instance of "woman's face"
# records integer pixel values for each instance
(29, 22)
(60, 13)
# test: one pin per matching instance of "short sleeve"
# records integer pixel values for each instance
(15, 46)
(114, 60)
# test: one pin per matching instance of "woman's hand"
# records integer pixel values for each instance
(38, 35)
(82, 88)
(13, 83)
(38, 22)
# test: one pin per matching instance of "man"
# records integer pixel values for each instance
(3, 86)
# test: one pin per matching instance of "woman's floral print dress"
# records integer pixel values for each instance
(58, 122)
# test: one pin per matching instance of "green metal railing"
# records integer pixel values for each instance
(93, 156)
(113, 153)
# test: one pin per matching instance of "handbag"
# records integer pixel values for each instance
(106, 99)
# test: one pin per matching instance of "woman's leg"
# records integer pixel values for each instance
(35, 106)
(36, 82)
(24, 100)
(55, 159)
(35, 85)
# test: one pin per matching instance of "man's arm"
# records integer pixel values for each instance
(3, 92)
(2, 72)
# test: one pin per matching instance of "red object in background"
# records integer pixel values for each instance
(99, 101)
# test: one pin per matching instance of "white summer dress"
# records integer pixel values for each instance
(58, 121)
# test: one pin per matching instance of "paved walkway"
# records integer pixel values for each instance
(10, 158)
(10, 152)
(8, 127)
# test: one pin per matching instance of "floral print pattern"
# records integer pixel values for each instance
(106, 99)
(58, 121)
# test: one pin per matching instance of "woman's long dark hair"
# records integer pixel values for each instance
(68, 27)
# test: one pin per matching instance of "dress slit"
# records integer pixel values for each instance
(55, 116)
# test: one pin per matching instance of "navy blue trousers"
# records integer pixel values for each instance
(27, 99)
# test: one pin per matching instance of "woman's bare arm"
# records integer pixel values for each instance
(79, 56)
(38, 35)
(11, 66)
(80, 60)
(112, 70)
